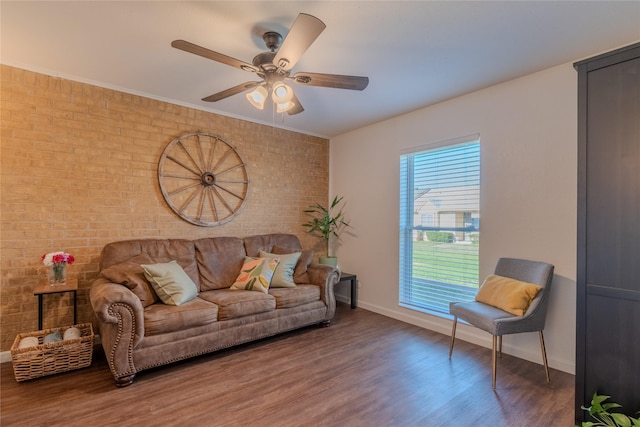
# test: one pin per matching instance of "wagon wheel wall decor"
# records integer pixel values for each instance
(203, 179)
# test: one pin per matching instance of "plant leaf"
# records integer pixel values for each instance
(324, 223)
(596, 403)
(621, 419)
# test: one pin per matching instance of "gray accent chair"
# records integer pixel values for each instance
(498, 322)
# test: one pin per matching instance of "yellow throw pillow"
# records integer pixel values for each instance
(510, 295)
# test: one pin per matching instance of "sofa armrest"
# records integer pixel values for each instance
(326, 277)
(120, 317)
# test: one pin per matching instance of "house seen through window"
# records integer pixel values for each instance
(440, 224)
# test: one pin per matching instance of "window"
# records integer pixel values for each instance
(440, 224)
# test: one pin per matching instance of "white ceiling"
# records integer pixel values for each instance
(415, 53)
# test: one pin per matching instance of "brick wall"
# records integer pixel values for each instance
(79, 170)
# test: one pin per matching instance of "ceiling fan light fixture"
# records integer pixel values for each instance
(281, 93)
(284, 107)
(257, 97)
(275, 65)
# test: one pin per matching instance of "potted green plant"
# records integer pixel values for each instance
(599, 411)
(327, 221)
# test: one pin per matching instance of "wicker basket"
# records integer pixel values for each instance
(52, 358)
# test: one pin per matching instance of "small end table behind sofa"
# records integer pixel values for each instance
(354, 287)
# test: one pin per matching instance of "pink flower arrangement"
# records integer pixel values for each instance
(53, 258)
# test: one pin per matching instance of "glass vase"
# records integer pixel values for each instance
(58, 274)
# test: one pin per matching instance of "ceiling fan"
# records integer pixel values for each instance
(274, 67)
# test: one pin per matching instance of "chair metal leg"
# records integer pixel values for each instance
(494, 363)
(453, 336)
(544, 356)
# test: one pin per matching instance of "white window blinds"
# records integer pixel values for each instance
(440, 224)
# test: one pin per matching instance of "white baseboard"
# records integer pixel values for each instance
(342, 298)
(469, 334)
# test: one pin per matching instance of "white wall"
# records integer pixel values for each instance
(528, 137)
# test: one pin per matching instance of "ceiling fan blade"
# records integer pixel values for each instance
(209, 54)
(331, 80)
(297, 107)
(304, 31)
(231, 91)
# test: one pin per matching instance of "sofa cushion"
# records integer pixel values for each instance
(300, 274)
(293, 297)
(219, 261)
(265, 242)
(130, 274)
(256, 274)
(235, 303)
(162, 318)
(171, 283)
(283, 276)
(159, 250)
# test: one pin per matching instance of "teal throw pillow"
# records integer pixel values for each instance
(283, 276)
(171, 283)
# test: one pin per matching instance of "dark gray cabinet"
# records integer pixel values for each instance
(608, 251)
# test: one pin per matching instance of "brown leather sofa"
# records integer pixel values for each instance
(138, 331)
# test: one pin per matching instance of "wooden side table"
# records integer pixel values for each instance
(354, 286)
(46, 288)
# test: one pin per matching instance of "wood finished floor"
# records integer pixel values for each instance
(363, 370)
